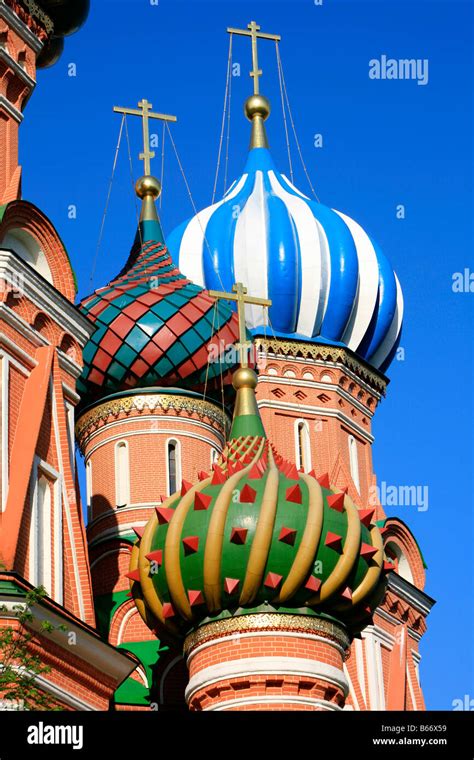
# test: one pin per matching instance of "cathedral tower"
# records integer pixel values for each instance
(323, 350)
(152, 415)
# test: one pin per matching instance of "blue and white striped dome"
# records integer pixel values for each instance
(328, 281)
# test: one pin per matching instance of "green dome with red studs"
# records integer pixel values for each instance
(256, 534)
(154, 327)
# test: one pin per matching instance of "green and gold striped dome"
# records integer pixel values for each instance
(256, 534)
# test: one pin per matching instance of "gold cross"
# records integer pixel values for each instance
(240, 295)
(255, 34)
(146, 113)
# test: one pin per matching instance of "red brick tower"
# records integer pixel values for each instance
(42, 334)
(149, 420)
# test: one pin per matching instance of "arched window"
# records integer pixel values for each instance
(214, 456)
(354, 461)
(122, 474)
(173, 464)
(89, 488)
(401, 563)
(302, 445)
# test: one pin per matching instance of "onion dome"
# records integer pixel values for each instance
(67, 17)
(329, 282)
(153, 326)
(256, 534)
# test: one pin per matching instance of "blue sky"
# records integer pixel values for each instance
(385, 143)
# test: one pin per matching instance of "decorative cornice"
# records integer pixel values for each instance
(11, 110)
(155, 402)
(410, 593)
(29, 7)
(90, 648)
(19, 25)
(39, 13)
(45, 296)
(289, 348)
(266, 622)
(17, 69)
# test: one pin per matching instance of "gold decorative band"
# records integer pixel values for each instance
(152, 402)
(43, 17)
(324, 353)
(267, 621)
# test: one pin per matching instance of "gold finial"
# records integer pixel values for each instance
(257, 107)
(244, 379)
(148, 188)
(240, 296)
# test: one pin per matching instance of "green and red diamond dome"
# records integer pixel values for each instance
(154, 327)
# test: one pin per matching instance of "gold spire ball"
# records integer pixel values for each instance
(148, 187)
(257, 106)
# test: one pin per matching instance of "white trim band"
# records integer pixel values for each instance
(266, 666)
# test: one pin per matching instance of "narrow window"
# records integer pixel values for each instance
(122, 474)
(41, 534)
(173, 459)
(89, 489)
(303, 448)
(354, 461)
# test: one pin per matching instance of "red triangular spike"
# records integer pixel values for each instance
(202, 475)
(238, 466)
(312, 473)
(168, 610)
(238, 535)
(139, 530)
(383, 530)
(366, 516)
(313, 584)
(292, 473)
(345, 489)
(231, 585)
(255, 472)
(367, 551)
(293, 493)
(333, 541)
(201, 500)
(248, 495)
(134, 575)
(218, 478)
(323, 480)
(191, 544)
(347, 594)
(195, 598)
(272, 580)
(156, 556)
(387, 566)
(336, 501)
(129, 595)
(288, 536)
(185, 486)
(164, 514)
(301, 470)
